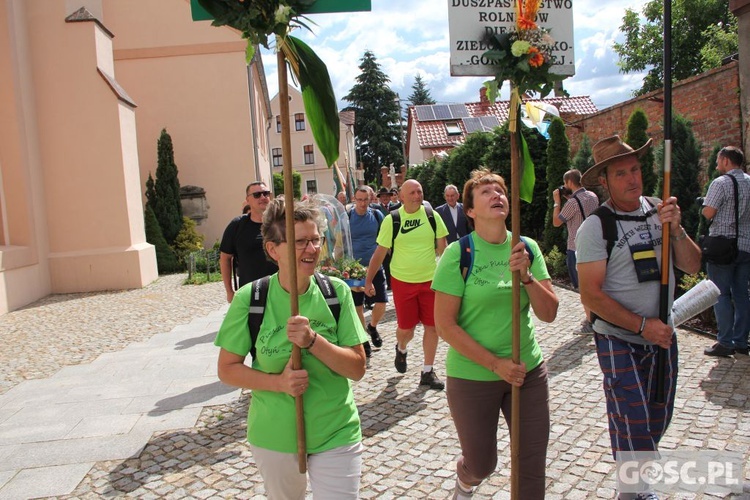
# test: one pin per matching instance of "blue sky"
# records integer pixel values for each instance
(410, 37)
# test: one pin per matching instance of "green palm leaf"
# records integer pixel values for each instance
(317, 95)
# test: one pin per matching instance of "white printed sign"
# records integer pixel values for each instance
(471, 21)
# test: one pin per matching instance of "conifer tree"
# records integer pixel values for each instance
(377, 116)
(167, 206)
(150, 192)
(637, 137)
(558, 154)
(420, 94)
(583, 158)
(166, 260)
(686, 159)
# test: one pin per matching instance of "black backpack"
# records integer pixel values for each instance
(396, 216)
(260, 294)
(467, 254)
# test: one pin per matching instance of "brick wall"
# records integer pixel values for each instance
(711, 101)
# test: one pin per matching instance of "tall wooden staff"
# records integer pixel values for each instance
(286, 158)
(515, 224)
(662, 354)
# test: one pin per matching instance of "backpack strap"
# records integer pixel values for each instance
(260, 295)
(466, 260)
(332, 300)
(397, 222)
(580, 207)
(257, 309)
(609, 221)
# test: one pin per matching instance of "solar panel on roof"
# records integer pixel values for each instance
(472, 125)
(489, 122)
(442, 112)
(425, 113)
(459, 110)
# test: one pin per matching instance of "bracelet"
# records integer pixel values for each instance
(680, 237)
(643, 325)
(530, 281)
(315, 337)
(556, 205)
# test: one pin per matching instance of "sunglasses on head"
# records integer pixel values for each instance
(258, 194)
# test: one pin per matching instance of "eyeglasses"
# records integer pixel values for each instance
(316, 242)
(258, 194)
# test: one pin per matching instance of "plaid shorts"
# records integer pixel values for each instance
(636, 422)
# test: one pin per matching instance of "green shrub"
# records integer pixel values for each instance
(556, 264)
(202, 279)
(188, 240)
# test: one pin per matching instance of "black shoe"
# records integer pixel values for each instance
(400, 362)
(374, 335)
(368, 349)
(741, 350)
(431, 379)
(718, 350)
(369, 306)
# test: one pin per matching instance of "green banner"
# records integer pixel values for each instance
(319, 7)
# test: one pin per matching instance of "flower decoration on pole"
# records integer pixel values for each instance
(524, 55)
(257, 20)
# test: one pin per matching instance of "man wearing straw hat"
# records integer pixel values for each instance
(620, 283)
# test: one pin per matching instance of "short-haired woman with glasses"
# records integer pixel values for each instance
(332, 355)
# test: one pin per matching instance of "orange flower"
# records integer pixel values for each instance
(526, 24)
(536, 58)
(526, 13)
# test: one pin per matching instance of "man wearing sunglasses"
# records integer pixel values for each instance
(242, 244)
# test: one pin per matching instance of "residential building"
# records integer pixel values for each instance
(433, 130)
(317, 177)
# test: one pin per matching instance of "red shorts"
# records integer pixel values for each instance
(414, 303)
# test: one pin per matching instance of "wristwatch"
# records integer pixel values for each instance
(529, 281)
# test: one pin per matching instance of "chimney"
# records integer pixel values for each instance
(483, 96)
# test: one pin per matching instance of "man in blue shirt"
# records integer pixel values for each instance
(364, 224)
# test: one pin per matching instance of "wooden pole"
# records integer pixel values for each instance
(515, 217)
(662, 354)
(286, 158)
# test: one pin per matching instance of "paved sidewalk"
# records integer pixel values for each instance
(148, 419)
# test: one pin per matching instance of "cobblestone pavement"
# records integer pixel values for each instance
(410, 443)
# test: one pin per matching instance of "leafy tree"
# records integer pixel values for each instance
(721, 41)
(278, 184)
(583, 158)
(167, 206)
(471, 155)
(166, 260)
(643, 45)
(377, 115)
(637, 137)
(420, 93)
(686, 168)
(558, 152)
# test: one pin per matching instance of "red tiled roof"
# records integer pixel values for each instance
(432, 134)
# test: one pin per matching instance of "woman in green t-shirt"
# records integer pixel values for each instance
(332, 355)
(473, 314)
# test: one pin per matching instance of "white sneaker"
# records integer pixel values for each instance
(460, 494)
